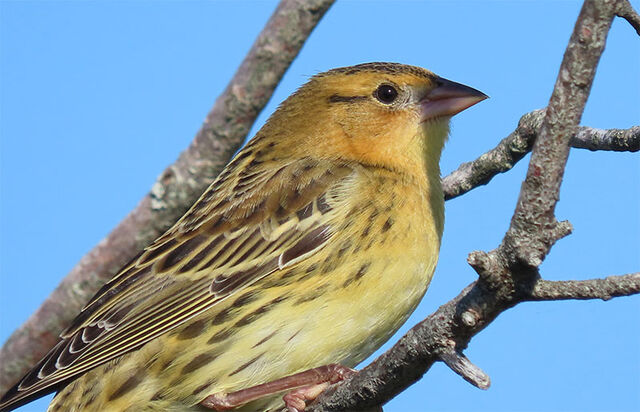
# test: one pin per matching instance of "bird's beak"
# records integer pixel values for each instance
(448, 98)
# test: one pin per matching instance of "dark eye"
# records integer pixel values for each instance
(386, 93)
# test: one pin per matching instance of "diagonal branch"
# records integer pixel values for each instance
(629, 14)
(500, 159)
(514, 147)
(177, 188)
(534, 228)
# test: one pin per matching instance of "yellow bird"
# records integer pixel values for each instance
(312, 247)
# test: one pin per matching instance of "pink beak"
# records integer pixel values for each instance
(449, 98)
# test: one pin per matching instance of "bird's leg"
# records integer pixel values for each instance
(307, 386)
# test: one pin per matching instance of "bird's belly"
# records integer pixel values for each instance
(355, 321)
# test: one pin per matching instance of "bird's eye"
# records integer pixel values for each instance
(386, 93)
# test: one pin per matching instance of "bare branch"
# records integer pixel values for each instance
(514, 147)
(223, 131)
(463, 367)
(626, 11)
(617, 140)
(605, 289)
(497, 160)
(531, 233)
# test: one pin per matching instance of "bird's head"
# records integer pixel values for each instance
(385, 114)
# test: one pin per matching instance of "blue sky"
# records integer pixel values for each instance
(97, 98)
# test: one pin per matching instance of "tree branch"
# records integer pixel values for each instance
(617, 140)
(514, 147)
(605, 289)
(508, 273)
(459, 363)
(500, 159)
(177, 188)
(534, 228)
(626, 11)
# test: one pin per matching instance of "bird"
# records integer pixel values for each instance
(311, 248)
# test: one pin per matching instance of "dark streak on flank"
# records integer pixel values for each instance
(168, 363)
(220, 336)
(311, 296)
(245, 299)
(330, 264)
(387, 225)
(347, 282)
(266, 338)
(199, 361)
(203, 386)
(362, 271)
(222, 316)
(274, 283)
(346, 245)
(192, 330)
(289, 273)
(294, 335)
(374, 214)
(346, 99)
(128, 385)
(246, 365)
(259, 312)
(369, 244)
(309, 271)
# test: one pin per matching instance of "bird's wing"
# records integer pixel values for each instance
(248, 224)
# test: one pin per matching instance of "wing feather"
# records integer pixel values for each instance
(241, 230)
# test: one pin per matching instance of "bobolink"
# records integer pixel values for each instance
(312, 247)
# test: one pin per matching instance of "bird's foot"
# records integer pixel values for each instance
(296, 400)
(307, 386)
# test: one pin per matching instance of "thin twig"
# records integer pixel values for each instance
(177, 188)
(605, 289)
